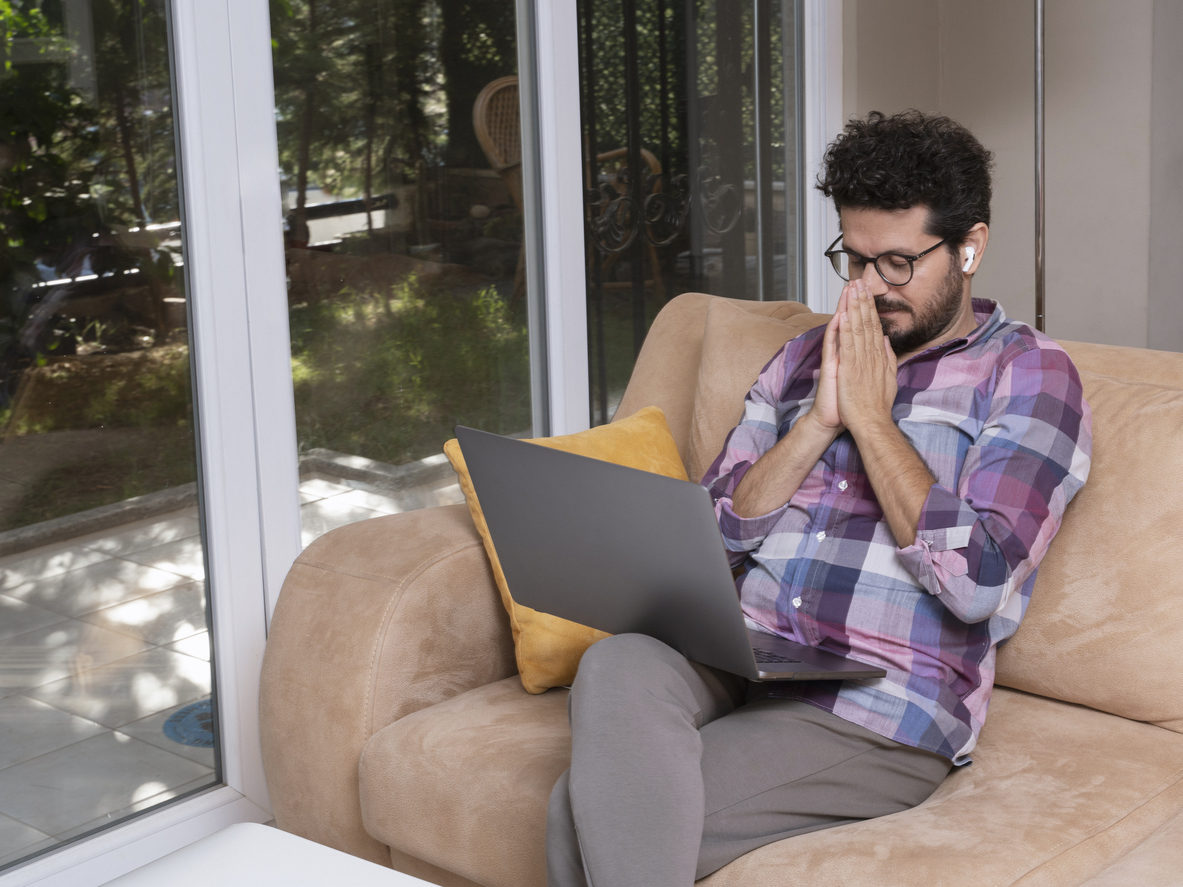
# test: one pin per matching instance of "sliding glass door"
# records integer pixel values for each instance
(105, 654)
(400, 151)
(690, 114)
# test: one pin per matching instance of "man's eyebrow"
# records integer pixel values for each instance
(899, 251)
(848, 248)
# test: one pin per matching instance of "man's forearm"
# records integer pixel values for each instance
(777, 475)
(898, 476)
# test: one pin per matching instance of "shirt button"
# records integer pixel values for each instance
(797, 602)
(821, 536)
(842, 485)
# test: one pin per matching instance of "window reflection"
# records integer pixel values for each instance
(103, 606)
(689, 112)
(403, 245)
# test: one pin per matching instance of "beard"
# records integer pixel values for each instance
(931, 321)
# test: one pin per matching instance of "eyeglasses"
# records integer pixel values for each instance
(896, 269)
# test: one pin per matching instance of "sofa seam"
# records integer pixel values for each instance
(391, 605)
(366, 574)
(1175, 780)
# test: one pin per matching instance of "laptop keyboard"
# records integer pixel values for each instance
(769, 656)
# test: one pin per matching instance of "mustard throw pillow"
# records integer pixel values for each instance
(548, 648)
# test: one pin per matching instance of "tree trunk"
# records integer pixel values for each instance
(304, 153)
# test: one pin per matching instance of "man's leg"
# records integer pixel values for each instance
(666, 769)
(776, 768)
(632, 805)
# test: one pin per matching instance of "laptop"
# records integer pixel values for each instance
(624, 550)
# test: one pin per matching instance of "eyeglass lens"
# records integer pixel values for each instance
(896, 270)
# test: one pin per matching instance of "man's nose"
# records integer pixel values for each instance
(875, 283)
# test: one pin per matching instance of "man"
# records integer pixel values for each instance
(896, 478)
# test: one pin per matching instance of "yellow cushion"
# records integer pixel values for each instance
(549, 648)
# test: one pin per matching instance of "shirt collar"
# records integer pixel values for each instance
(990, 317)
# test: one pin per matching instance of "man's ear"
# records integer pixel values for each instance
(973, 247)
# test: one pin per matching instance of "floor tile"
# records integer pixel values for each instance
(145, 534)
(382, 504)
(161, 618)
(320, 488)
(30, 728)
(89, 781)
(18, 840)
(318, 518)
(151, 730)
(185, 557)
(130, 689)
(17, 617)
(44, 563)
(103, 584)
(196, 646)
(143, 803)
(59, 651)
(410, 500)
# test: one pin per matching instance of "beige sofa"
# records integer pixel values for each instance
(394, 726)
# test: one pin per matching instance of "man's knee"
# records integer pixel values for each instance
(620, 657)
(634, 672)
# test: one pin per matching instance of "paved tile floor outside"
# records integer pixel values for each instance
(102, 639)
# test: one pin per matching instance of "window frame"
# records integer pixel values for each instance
(234, 266)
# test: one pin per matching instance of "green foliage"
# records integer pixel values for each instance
(698, 66)
(146, 390)
(370, 92)
(388, 374)
(86, 153)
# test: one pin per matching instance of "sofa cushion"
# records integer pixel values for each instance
(464, 784)
(737, 344)
(1157, 860)
(1105, 614)
(548, 649)
(1055, 794)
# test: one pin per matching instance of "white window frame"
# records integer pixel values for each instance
(246, 425)
(824, 118)
(552, 165)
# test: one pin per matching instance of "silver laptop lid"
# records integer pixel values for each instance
(624, 550)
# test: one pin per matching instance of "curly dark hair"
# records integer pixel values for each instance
(911, 159)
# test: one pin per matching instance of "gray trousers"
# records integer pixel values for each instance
(676, 770)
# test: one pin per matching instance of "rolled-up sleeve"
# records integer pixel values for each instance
(765, 410)
(977, 545)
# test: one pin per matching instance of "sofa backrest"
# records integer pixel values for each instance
(1105, 626)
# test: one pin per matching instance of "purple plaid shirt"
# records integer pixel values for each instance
(1000, 420)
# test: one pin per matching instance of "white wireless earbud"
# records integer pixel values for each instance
(970, 252)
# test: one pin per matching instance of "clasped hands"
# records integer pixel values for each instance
(857, 385)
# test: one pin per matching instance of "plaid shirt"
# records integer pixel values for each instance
(1000, 420)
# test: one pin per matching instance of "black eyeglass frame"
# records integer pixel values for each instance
(832, 254)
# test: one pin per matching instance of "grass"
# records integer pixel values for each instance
(388, 374)
(384, 371)
(384, 364)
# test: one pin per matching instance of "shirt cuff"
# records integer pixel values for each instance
(744, 533)
(946, 525)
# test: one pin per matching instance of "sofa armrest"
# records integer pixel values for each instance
(375, 620)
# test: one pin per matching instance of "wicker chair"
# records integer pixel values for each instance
(497, 121)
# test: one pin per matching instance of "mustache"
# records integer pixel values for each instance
(883, 304)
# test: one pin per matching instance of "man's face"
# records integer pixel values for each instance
(932, 307)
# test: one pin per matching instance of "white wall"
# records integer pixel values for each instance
(1114, 145)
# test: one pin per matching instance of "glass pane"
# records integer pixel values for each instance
(399, 143)
(104, 652)
(691, 110)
